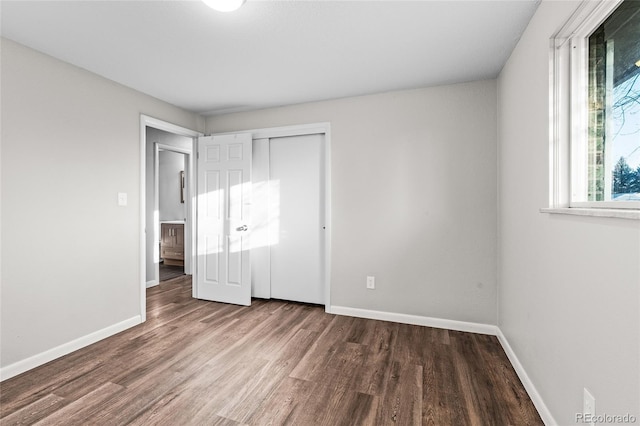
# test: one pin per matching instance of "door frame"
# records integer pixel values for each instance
(188, 225)
(147, 121)
(323, 128)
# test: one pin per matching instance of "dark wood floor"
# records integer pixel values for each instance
(205, 363)
(168, 272)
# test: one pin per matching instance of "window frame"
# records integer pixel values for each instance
(568, 108)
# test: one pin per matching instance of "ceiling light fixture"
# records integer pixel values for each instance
(224, 5)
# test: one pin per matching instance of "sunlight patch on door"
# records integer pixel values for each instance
(212, 265)
(234, 260)
(265, 218)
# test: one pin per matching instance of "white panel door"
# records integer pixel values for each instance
(297, 215)
(224, 191)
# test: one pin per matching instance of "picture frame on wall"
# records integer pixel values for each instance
(182, 186)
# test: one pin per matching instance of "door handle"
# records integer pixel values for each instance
(242, 228)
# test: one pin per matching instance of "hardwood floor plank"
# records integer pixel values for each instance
(331, 343)
(80, 411)
(481, 399)
(124, 407)
(337, 364)
(316, 319)
(169, 272)
(354, 408)
(335, 405)
(276, 408)
(401, 402)
(443, 402)
(242, 404)
(29, 387)
(35, 411)
(195, 397)
(371, 378)
(86, 383)
(499, 370)
(275, 363)
(414, 343)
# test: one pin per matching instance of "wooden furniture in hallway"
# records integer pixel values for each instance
(172, 243)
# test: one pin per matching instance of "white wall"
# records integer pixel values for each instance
(569, 287)
(413, 197)
(71, 256)
(170, 166)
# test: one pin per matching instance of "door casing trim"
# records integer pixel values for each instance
(147, 121)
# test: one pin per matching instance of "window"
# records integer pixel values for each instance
(596, 107)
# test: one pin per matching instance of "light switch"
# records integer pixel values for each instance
(371, 282)
(122, 198)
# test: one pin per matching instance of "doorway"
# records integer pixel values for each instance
(171, 206)
(168, 207)
(157, 136)
(260, 254)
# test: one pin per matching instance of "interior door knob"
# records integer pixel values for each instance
(242, 228)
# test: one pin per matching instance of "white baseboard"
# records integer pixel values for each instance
(66, 348)
(544, 412)
(152, 283)
(471, 327)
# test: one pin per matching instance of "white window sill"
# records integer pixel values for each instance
(595, 212)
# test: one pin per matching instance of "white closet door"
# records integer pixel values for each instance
(297, 213)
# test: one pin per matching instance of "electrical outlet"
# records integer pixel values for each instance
(371, 283)
(589, 407)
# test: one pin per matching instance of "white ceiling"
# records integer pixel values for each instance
(272, 53)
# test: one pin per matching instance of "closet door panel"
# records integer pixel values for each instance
(296, 252)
